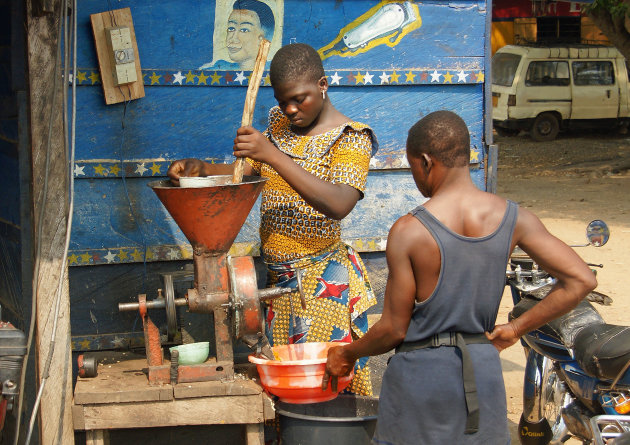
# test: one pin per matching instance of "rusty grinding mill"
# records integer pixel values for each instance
(210, 218)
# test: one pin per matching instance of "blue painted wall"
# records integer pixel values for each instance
(122, 233)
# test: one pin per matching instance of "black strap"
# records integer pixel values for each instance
(458, 340)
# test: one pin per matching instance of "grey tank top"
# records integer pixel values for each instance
(472, 278)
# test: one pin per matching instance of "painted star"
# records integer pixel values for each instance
(155, 78)
(95, 77)
(155, 169)
(81, 76)
(374, 163)
(168, 77)
(114, 169)
(384, 78)
(448, 77)
(110, 257)
(359, 78)
(424, 76)
(216, 78)
(172, 254)
(122, 254)
(119, 342)
(395, 76)
(382, 244)
(100, 170)
(410, 77)
(474, 156)
(178, 78)
(481, 77)
(368, 77)
(73, 259)
(137, 255)
(149, 255)
(85, 345)
(267, 80)
(140, 169)
(350, 77)
(190, 77)
(202, 79)
(435, 76)
(78, 171)
(85, 258)
(240, 77)
(461, 76)
(335, 78)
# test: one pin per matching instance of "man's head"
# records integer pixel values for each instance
(297, 61)
(249, 22)
(440, 138)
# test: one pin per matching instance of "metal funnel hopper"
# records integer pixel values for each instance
(210, 217)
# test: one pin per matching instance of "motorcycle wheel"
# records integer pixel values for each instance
(554, 396)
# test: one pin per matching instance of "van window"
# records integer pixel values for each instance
(594, 72)
(504, 68)
(553, 73)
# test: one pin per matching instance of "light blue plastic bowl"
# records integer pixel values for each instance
(192, 353)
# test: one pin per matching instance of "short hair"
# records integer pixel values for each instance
(295, 61)
(442, 135)
(265, 15)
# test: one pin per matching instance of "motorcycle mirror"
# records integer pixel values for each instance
(597, 233)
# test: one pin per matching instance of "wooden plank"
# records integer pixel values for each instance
(97, 437)
(196, 411)
(254, 434)
(52, 197)
(216, 389)
(115, 94)
(120, 382)
(77, 417)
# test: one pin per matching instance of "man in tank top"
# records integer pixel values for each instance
(447, 262)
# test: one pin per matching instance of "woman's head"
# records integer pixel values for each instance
(299, 83)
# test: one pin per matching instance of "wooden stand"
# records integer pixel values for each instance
(121, 397)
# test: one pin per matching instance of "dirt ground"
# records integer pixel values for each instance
(568, 182)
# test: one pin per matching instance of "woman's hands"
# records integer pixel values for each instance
(251, 143)
(185, 167)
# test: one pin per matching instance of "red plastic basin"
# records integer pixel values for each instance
(296, 374)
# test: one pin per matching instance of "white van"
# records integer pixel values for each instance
(546, 89)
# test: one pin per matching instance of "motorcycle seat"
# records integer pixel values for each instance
(565, 328)
(603, 350)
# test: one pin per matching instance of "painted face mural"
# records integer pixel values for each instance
(238, 29)
(243, 36)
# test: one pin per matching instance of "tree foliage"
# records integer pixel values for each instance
(613, 19)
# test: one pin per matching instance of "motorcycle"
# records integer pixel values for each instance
(577, 377)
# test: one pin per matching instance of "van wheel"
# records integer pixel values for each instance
(545, 128)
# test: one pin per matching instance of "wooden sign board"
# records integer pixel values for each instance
(115, 93)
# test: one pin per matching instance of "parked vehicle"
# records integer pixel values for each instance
(547, 89)
(576, 376)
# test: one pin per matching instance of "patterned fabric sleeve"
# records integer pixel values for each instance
(351, 158)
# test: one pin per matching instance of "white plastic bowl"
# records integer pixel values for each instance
(196, 181)
(192, 353)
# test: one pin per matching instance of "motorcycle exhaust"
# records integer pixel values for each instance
(577, 420)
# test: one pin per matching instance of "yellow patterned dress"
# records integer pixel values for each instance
(297, 239)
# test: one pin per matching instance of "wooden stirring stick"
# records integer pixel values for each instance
(250, 101)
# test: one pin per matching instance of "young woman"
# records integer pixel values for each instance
(317, 163)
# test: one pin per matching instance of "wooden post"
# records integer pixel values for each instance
(55, 415)
(250, 100)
